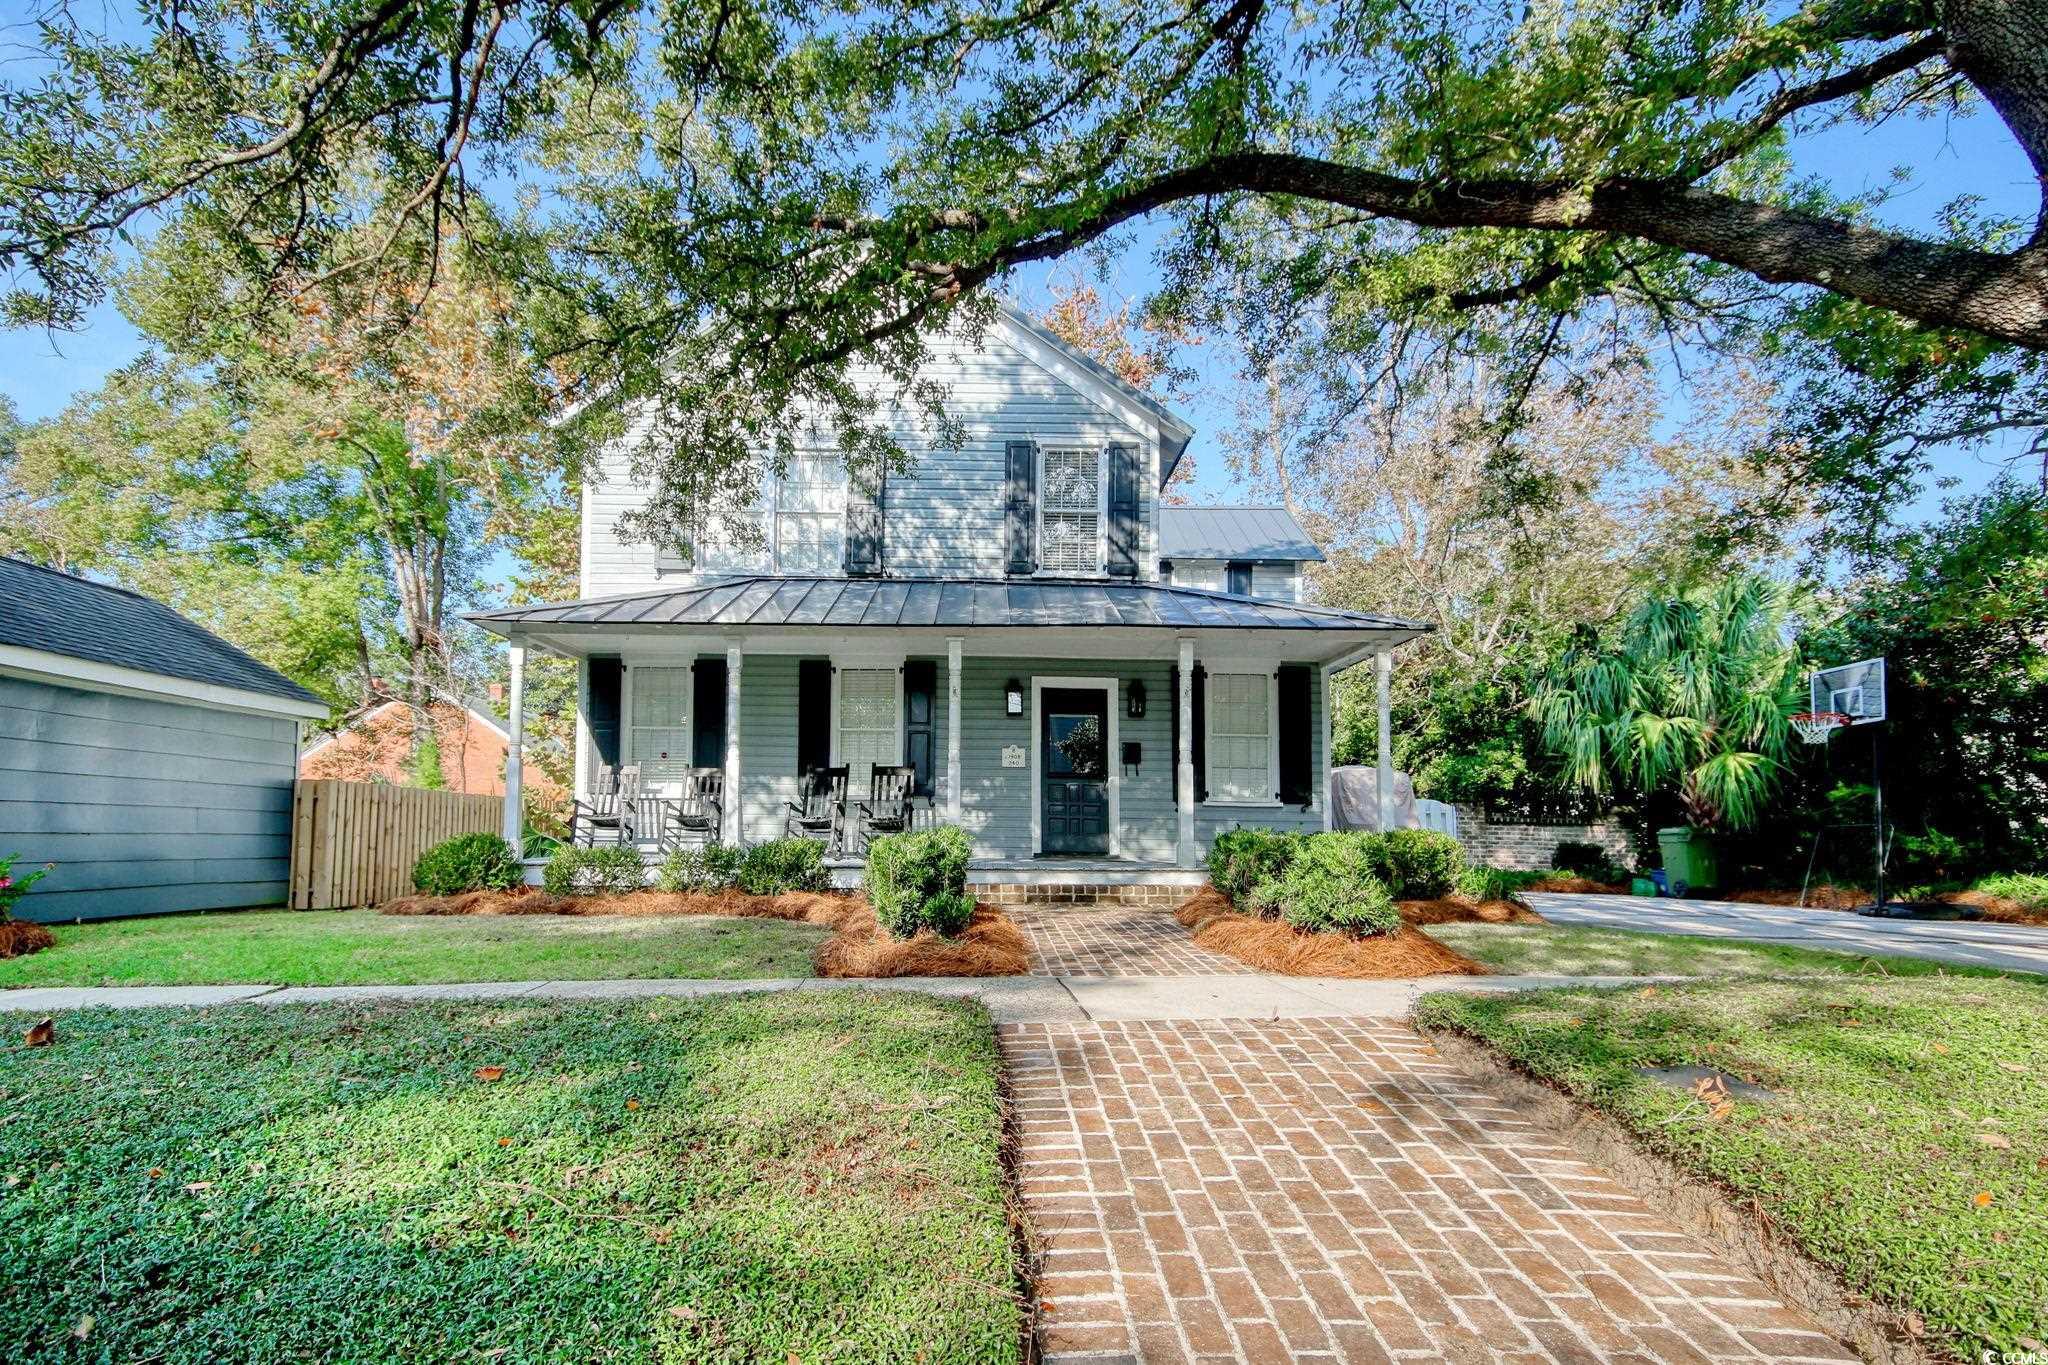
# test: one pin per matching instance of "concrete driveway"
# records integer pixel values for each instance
(2006, 947)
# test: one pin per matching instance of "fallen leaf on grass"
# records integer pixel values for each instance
(504, 1142)
(490, 1073)
(632, 1104)
(156, 1173)
(41, 1033)
(683, 1311)
(1998, 1140)
(199, 1187)
(2014, 1067)
(1916, 1326)
(1982, 1199)
(83, 1329)
(1942, 1048)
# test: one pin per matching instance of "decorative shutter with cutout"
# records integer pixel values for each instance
(866, 495)
(1020, 510)
(1124, 529)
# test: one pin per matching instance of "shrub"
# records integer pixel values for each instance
(918, 881)
(722, 865)
(468, 862)
(614, 868)
(13, 888)
(688, 869)
(1329, 885)
(1242, 858)
(1495, 883)
(784, 865)
(1417, 864)
(1577, 856)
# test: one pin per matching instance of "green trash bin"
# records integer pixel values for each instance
(1688, 860)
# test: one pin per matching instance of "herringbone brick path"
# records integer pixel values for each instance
(1330, 1190)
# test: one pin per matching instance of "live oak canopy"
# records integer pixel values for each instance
(727, 200)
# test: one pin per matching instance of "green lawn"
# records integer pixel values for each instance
(790, 1177)
(1907, 1145)
(354, 947)
(1564, 950)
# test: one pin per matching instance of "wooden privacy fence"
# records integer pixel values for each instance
(354, 843)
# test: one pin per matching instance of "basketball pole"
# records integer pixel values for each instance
(1877, 804)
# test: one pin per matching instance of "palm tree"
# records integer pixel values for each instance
(1693, 693)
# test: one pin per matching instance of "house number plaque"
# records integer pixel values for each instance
(1013, 755)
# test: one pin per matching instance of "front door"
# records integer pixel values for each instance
(1074, 749)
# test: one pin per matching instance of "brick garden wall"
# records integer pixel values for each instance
(1527, 848)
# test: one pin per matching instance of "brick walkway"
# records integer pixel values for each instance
(1117, 941)
(1328, 1189)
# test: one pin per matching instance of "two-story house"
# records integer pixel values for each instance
(1075, 669)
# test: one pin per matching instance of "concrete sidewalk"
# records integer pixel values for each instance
(1010, 999)
(1966, 943)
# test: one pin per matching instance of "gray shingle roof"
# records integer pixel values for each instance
(62, 614)
(1232, 533)
(939, 602)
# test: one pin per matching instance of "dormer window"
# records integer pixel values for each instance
(1070, 512)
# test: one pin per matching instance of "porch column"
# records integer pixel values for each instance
(1329, 767)
(953, 729)
(1185, 759)
(732, 746)
(515, 812)
(1384, 662)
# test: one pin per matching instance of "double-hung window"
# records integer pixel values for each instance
(1070, 512)
(660, 741)
(1243, 763)
(795, 526)
(870, 710)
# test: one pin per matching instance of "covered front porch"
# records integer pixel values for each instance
(1078, 731)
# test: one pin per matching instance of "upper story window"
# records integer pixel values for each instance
(797, 526)
(1070, 512)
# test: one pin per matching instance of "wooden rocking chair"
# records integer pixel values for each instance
(613, 808)
(888, 809)
(819, 812)
(699, 813)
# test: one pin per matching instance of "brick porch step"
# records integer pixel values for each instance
(1081, 895)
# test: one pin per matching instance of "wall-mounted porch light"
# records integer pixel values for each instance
(1013, 698)
(1134, 700)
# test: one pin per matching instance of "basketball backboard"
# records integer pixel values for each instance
(1856, 690)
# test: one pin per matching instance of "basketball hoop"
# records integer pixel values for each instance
(1818, 727)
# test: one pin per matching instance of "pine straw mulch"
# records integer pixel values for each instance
(1458, 910)
(1274, 946)
(1826, 896)
(991, 945)
(19, 938)
(1579, 886)
(1997, 909)
(1993, 909)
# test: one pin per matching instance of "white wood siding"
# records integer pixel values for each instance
(945, 517)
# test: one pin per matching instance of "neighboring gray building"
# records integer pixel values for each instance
(149, 759)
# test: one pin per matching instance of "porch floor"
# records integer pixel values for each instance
(1053, 872)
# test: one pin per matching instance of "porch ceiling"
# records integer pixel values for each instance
(1046, 617)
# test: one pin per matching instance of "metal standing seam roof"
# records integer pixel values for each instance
(1233, 533)
(60, 613)
(949, 603)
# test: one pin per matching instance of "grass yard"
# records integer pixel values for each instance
(792, 1177)
(1906, 1145)
(357, 947)
(1569, 950)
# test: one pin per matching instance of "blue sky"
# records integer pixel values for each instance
(1946, 157)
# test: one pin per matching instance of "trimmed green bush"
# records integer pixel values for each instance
(1417, 864)
(784, 865)
(613, 868)
(468, 862)
(1495, 883)
(1240, 859)
(918, 881)
(698, 869)
(1329, 886)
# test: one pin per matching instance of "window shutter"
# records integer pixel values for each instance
(601, 708)
(864, 547)
(707, 713)
(920, 685)
(1237, 578)
(1123, 512)
(1201, 746)
(813, 715)
(1020, 498)
(1297, 781)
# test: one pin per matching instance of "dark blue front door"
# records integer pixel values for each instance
(1074, 750)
